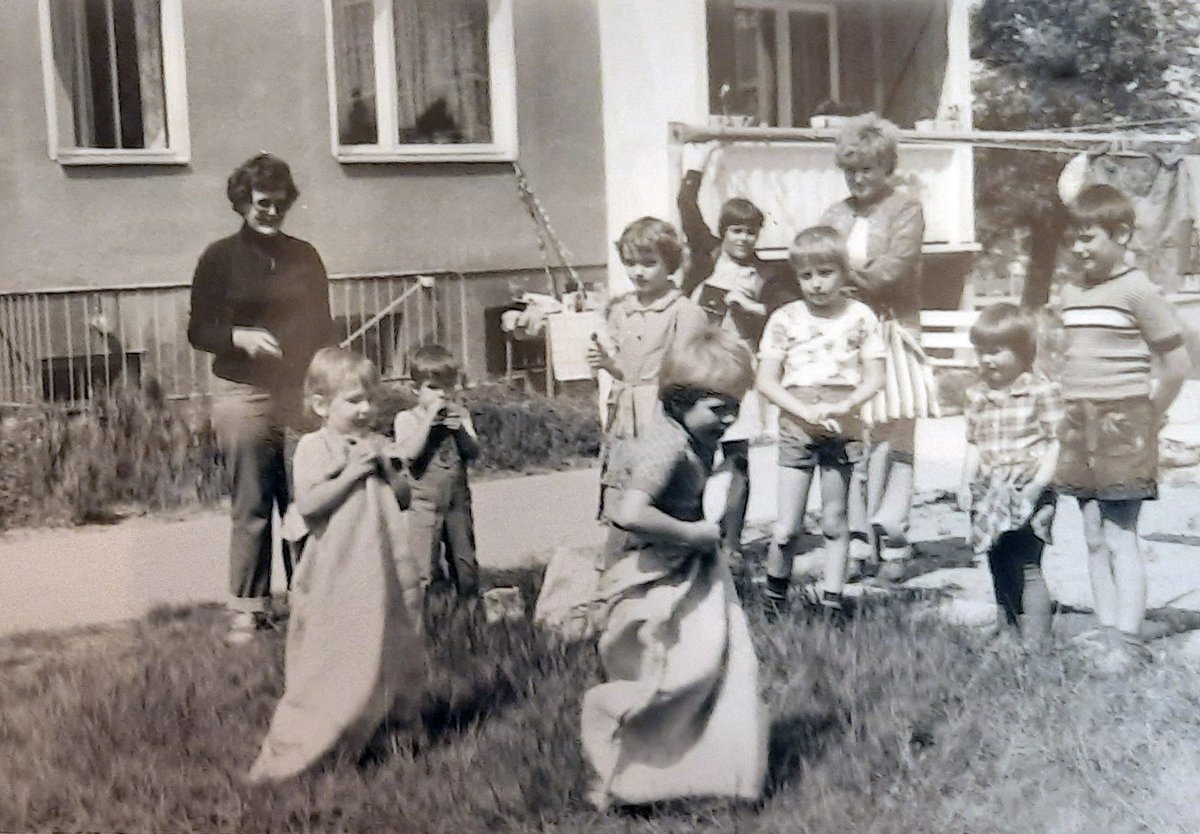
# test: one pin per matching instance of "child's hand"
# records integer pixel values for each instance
(703, 535)
(837, 408)
(695, 156)
(964, 499)
(737, 298)
(364, 460)
(453, 419)
(598, 356)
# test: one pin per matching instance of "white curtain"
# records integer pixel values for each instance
(77, 44)
(442, 62)
(147, 18)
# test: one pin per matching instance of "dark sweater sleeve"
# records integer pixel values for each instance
(209, 325)
(700, 240)
(323, 325)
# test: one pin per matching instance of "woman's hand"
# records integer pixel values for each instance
(254, 341)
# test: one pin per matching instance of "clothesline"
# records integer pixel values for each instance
(1058, 142)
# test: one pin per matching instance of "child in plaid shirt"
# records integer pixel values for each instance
(1012, 417)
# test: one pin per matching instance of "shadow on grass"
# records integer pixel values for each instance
(795, 739)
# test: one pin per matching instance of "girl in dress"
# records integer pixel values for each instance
(679, 713)
(353, 643)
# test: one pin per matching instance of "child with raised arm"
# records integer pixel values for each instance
(678, 714)
(437, 440)
(1012, 417)
(736, 289)
(641, 326)
(352, 646)
(820, 359)
(1123, 365)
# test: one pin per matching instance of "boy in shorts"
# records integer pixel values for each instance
(820, 359)
(1124, 363)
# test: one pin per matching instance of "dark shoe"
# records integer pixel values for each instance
(775, 607)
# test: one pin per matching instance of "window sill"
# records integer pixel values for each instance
(420, 153)
(80, 156)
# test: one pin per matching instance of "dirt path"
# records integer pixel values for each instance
(82, 576)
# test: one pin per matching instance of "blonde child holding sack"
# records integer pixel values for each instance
(353, 644)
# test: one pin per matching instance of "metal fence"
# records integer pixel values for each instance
(67, 345)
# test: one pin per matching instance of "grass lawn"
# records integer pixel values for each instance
(894, 722)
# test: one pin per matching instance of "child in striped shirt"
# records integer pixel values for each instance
(1123, 365)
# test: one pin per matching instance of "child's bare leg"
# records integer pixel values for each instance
(835, 490)
(1120, 520)
(793, 497)
(1100, 564)
(737, 454)
(876, 474)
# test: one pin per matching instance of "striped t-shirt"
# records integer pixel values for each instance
(1113, 328)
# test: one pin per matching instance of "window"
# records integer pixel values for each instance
(422, 80)
(113, 72)
(784, 62)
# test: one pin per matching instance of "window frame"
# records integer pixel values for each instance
(502, 87)
(60, 104)
(783, 34)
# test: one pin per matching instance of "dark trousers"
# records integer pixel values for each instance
(441, 516)
(1015, 561)
(251, 426)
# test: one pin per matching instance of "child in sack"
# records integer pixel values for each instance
(353, 645)
(678, 714)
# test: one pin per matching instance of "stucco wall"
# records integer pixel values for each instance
(257, 80)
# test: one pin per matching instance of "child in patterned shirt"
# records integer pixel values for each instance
(820, 359)
(1012, 418)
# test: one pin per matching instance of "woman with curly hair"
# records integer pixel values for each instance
(260, 306)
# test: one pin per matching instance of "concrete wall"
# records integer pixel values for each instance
(256, 79)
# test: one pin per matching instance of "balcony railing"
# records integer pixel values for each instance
(67, 345)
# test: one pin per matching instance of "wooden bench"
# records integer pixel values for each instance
(945, 337)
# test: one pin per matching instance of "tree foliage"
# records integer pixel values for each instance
(1054, 64)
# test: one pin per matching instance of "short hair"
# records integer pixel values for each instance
(818, 244)
(433, 362)
(332, 367)
(1005, 325)
(1105, 206)
(711, 361)
(738, 211)
(264, 172)
(649, 234)
(867, 140)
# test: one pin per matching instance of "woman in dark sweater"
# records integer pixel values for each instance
(260, 306)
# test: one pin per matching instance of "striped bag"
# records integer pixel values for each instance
(909, 387)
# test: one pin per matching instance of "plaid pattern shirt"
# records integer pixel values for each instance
(1011, 427)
